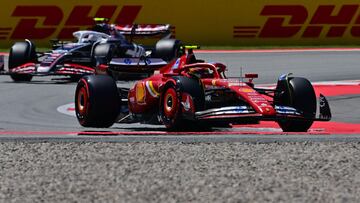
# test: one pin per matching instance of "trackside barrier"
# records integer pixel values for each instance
(210, 22)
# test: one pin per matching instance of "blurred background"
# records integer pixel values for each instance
(203, 22)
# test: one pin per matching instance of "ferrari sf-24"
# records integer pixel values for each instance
(189, 93)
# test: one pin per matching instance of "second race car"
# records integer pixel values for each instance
(91, 48)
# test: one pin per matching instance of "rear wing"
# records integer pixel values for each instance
(146, 30)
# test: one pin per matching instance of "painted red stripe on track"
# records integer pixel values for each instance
(337, 90)
(318, 128)
(331, 90)
(329, 127)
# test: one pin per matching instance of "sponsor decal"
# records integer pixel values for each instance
(287, 21)
(210, 87)
(186, 102)
(235, 84)
(140, 93)
(42, 21)
(246, 90)
(208, 98)
(176, 65)
(127, 61)
(322, 101)
(132, 99)
(278, 22)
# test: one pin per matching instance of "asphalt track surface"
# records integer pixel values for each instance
(46, 156)
(29, 110)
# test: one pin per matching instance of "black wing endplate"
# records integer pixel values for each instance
(325, 112)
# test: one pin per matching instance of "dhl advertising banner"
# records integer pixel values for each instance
(203, 22)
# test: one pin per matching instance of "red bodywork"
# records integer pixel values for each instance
(146, 94)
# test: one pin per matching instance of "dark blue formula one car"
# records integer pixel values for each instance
(92, 49)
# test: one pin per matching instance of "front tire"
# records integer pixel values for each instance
(21, 53)
(170, 111)
(97, 103)
(21, 77)
(179, 102)
(301, 96)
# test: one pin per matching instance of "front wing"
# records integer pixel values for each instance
(240, 113)
(64, 70)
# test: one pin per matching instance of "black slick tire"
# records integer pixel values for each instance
(20, 54)
(97, 103)
(301, 96)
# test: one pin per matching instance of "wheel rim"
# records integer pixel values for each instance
(82, 101)
(170, 103)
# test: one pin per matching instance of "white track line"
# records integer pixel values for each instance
(64, 109)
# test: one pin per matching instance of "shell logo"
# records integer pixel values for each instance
(140, 93)
(246, 90)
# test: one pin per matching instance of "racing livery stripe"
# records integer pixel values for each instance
(151, 89)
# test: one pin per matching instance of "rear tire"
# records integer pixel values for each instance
(20, 54)
(167, 49)
(301, 96)
(97, 103)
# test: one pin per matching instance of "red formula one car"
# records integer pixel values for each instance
(189, 93)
